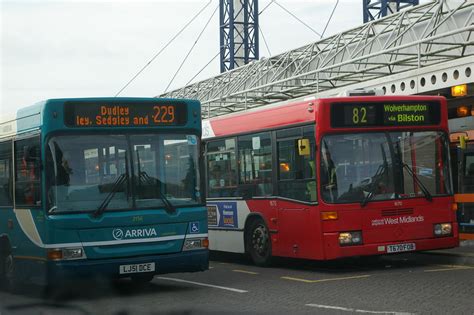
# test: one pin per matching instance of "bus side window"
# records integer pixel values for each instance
(297, 172)
(28, 172)
(6, 179)
(255, 165)
(221, 168)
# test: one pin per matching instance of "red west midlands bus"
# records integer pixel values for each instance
(331, 178)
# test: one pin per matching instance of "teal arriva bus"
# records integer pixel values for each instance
(101, 186)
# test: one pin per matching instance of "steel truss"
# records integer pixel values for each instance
(423, 36)
(238, 33)
(376, 9)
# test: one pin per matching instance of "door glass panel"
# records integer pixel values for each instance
(255, 161)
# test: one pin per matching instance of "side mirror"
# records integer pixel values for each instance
(303, 147)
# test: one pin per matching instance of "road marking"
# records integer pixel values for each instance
(203, 284)
(454, 266)
(449, 268)
(325, 280)
(245, 271)
(355, 310)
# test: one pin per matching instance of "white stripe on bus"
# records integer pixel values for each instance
(118, 242)
(27, 224)
(188, 236)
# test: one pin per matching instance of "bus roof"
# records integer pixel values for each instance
(298, 112)
(29, 118)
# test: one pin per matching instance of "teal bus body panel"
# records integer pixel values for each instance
(158, 231)
(30, 258)
(22, 245)
(147, 235)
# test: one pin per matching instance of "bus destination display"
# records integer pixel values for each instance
(385, 114)
(81, 114)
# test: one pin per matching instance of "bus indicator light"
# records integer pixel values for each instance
(463, 111)
(459, 90)
(66, 254)
(454, 207)
(55, 254)
(329, 215)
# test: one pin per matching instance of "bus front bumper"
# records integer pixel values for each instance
(334, 251)
(190, 261)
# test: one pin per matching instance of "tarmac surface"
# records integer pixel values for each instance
(464, 254)
(434, 282)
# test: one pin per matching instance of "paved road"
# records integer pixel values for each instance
(406, 284)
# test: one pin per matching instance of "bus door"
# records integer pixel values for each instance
(465, 191)
(296, 191)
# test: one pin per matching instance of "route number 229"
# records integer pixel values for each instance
(163, 114)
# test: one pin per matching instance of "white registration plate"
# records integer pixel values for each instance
(398, 248)
(137, 268)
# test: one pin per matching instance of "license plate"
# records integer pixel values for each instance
(398, 248)
(137, 268)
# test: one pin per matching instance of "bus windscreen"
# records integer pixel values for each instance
(381, 114)
(130, 114)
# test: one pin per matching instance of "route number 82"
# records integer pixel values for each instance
(359, 115)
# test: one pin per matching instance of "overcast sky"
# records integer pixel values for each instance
(52, 49)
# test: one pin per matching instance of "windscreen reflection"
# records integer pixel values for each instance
(119, 172)
(383, 166)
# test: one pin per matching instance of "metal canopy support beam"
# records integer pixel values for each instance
(238, 33)
(376, 9)
(411, 40)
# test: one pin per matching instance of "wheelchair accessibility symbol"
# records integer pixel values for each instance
(194, 227)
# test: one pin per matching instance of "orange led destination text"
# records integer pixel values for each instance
(120, 116)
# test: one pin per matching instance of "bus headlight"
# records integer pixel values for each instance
(442, 229)
(66, 253)
(195, 243)
(350, 238)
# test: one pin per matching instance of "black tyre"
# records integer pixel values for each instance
(258, 243)
(11, 283)
(3, 277)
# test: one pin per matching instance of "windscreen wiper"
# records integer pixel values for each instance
(425, 191)
(378, 176)
(373, 185)
(118, 183)
(168, 205)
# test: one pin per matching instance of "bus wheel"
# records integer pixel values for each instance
(142, 279)
(3, 272)
(259, 244)
(11, 284)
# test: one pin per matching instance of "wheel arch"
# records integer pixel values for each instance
(5, 245)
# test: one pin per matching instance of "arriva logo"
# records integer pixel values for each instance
(120, 234)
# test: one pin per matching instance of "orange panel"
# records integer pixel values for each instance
(466, 236)
(464, 197)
